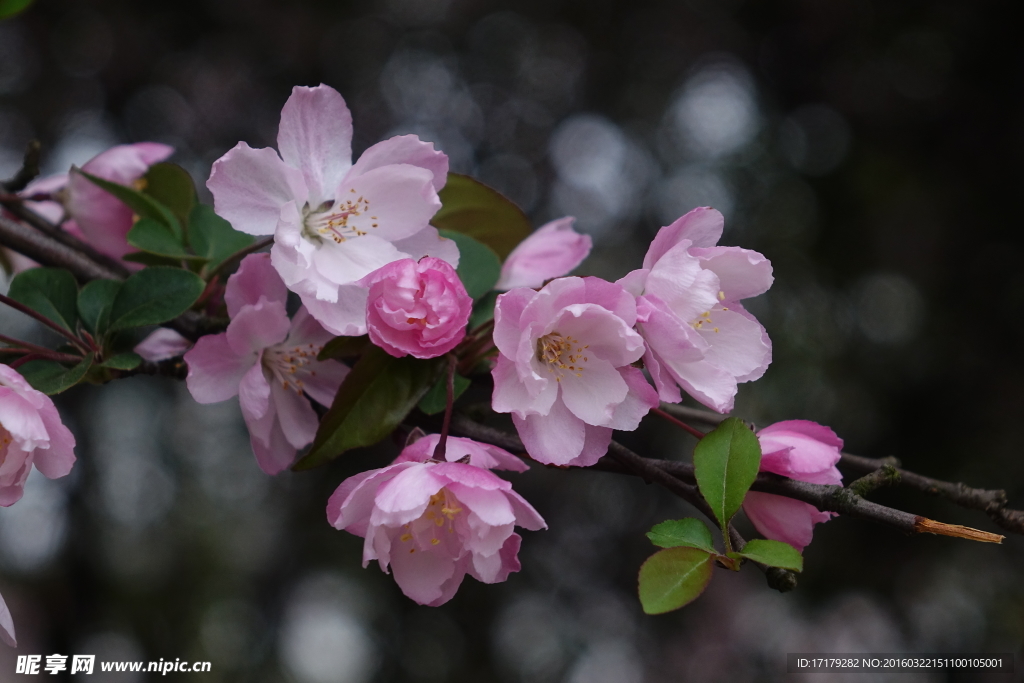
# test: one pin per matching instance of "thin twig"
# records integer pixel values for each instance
(18, 306)
(49, 252)
(29, 168)
(679, 423)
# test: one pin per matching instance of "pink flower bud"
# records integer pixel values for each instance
(434, 522)
(30, 433)
(554, 250)
(418, 309)
(801, 450)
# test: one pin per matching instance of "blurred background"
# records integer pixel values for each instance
(872, 150)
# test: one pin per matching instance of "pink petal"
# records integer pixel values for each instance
(405, 149)
(679, 280)
(783, 519)
(55, 461)
(405, 497)
(255, 278)
(399, 200)
(315, 136)
(428, 242)
(736, 343)
(742, 273)
(345, 317)
(601, 334)
(593, 392)
(492, 507)
(595, 444)
(255, 328)
(350, 505)
(508, 310)
(297, 418)
(553, 439)
(254, 399)
(250, 187)
(511, 394)
(125, 163)
(161, 344)
(526, 516)
(215, 369)
(6, 625)
(703, 226)
(552, 251)
(422, 573)
(640, 400)
(276, 455)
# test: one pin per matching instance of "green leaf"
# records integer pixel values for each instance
(479, 267)
(436, 400)
(8, 8)
(212, 237)
(94, 304)
(726, 463)
(688, 532)
(483, 310)
(148, 259)
(673, 577)
(773, 554)
(142, 204)
(50, 377)
(153, 296)
(375, 397)
(172, 186)
(471, 208)
(123, 361)
(50, 292)
(154, 237)
(344, 347)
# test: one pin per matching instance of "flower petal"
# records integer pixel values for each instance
(277, 454)
(395, 201)
(405, 149)
(742, 273)
(7, 625)
(553, 439)
(783, 519)
(315, 136)
(215, 369)
(553, 250)
(250, 187)
(703, 226)
(255, 278)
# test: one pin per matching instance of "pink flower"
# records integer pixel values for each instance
(334, 222)
(554, 250)
(104, 221)
(30, 433)
(268, 362)
(564, 369)
(6, 625)
(434, 522)
(418, 309)
(456, 449)
(801, 450)
(698, 335)
(161, 344)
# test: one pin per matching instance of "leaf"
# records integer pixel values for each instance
(142, 204)
(123, 361)
(672, 578)
(148, 259)
(154, 237)
(689, 532)
(373, 399)
(344, 347)
(8, 8)
(483, 310)
(94, 304)
(471, 208)
(726, 463)
(436, 400)
(50, 377)
(773, 554)
(479, 267)
(50, 292)
(153, 296)
(172, 186)
(212, 237)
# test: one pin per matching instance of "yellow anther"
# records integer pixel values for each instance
(405, 538)
(435, 541)
(721, 295)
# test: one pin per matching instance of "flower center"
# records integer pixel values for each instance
(5, 440)
(703, 322)
(334, 220)
(285, 362)
(440, 513)
(562, 354)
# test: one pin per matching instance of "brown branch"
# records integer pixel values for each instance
(29, 168)
(16, 207)
(836, 499)
(49, 252)
(991, 502)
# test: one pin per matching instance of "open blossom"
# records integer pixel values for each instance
(698, 335)
(269, 362)
(553, 250)
(801, 450)
(31, 433)
(333, 222)
(417, 309)
(564, 368)
(434, 522)
(94, 215)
